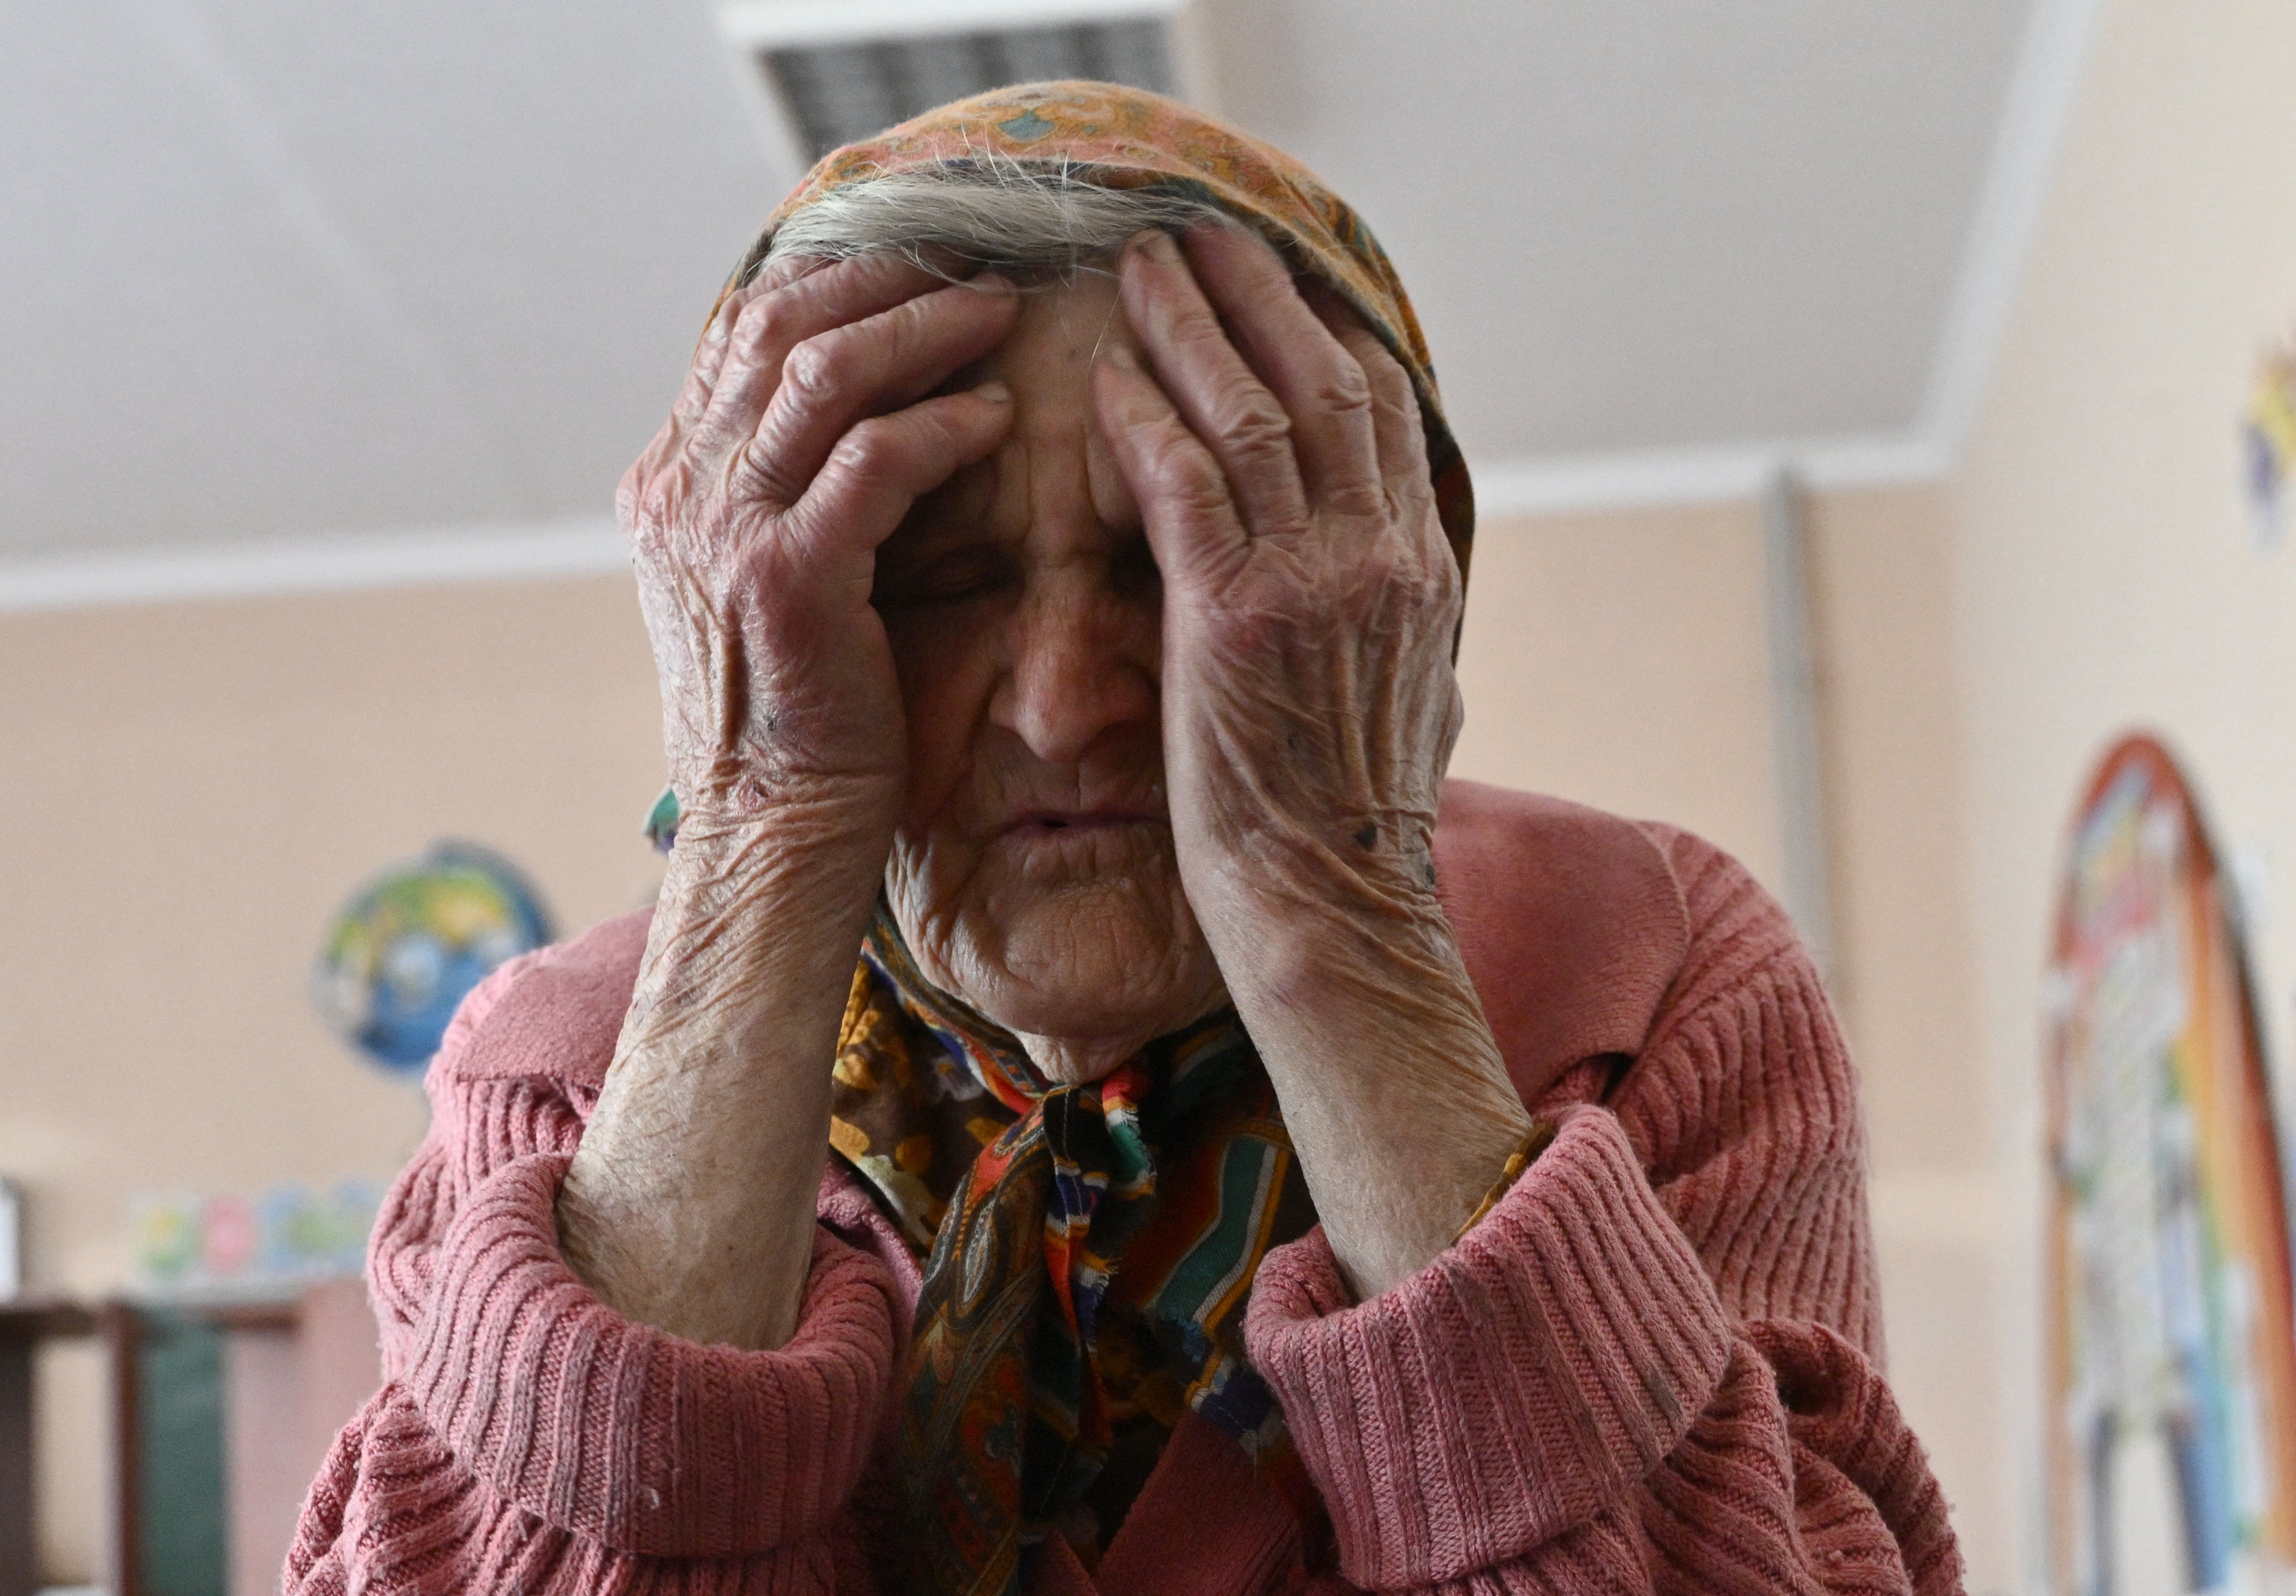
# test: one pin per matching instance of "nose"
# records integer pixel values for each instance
(1080, 668)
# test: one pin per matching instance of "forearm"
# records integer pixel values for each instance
(689, 1203)
(1397, 1100)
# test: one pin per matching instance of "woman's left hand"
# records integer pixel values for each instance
(1310, 710)
(1309, 598)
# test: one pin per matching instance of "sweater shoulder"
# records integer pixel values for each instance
(553, 1014)
(1587, 933)
(1737, 932)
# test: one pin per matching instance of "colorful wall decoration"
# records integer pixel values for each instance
(182, 1244)
(413, 942)
(2268, 444)
(2171, 1424)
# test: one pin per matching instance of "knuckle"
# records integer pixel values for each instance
(662, 500)
(1434, 586)
(1347, 391)
(1360, 501)
(778, 274)
(818, 366)
(633, 485)
(1188, 485)
(1256, 425)
(761, 320)
(867, 446)
(1197, 500)
(1401, 403)
(759, 473)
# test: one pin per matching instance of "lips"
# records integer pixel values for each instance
(1054, 822)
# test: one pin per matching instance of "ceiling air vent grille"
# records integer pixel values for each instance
(840, 92)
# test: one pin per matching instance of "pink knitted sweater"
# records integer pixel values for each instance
(1654, 1365)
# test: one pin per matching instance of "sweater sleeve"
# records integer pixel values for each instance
(1653, 1365)
(528, 1438)
(1743, 1109)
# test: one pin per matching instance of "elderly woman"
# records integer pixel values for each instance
(1239, 1162)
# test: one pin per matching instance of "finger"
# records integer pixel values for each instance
(885, 464)
(1311, 372)
(1402, 441)
(1216, 394)
(709, 359)
(1400, 433)
(1193, 527)
(779, 318)
(867, 368)
(709, 353)
(693, 398)
(671, 441)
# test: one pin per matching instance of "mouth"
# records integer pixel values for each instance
(1072, 822)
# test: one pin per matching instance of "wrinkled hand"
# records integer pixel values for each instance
(1310, 711)
(1310, 600)
(795, 448)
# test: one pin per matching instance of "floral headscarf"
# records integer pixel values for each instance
(1128, 138)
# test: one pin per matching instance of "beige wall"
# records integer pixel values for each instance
(1618, 660)
(192, 791)
(2103, 575)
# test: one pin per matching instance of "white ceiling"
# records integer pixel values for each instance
(276, 271)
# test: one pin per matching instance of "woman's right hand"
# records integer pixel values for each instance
(796, 447)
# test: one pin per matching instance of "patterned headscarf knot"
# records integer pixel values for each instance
(1091, 1248)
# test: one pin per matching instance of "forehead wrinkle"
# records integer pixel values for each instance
(1054, 427)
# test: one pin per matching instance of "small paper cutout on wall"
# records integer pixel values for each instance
(183, 1245)
(2269, 442)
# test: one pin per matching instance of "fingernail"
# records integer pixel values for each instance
(994, 392)
(995, 282)
(1121, 357)
(1158, 246)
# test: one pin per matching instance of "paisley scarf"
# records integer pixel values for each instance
(1089, 1249)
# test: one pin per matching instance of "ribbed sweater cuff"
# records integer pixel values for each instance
(1512, 1390)
(627, 1436)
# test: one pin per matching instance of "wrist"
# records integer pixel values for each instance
(1314, 892)
(1374, 864)
(831, 835)
(748, 802)
(758, 923)
(1334, 958)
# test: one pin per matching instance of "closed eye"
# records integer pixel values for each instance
(1132, 569)
(955, 578)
